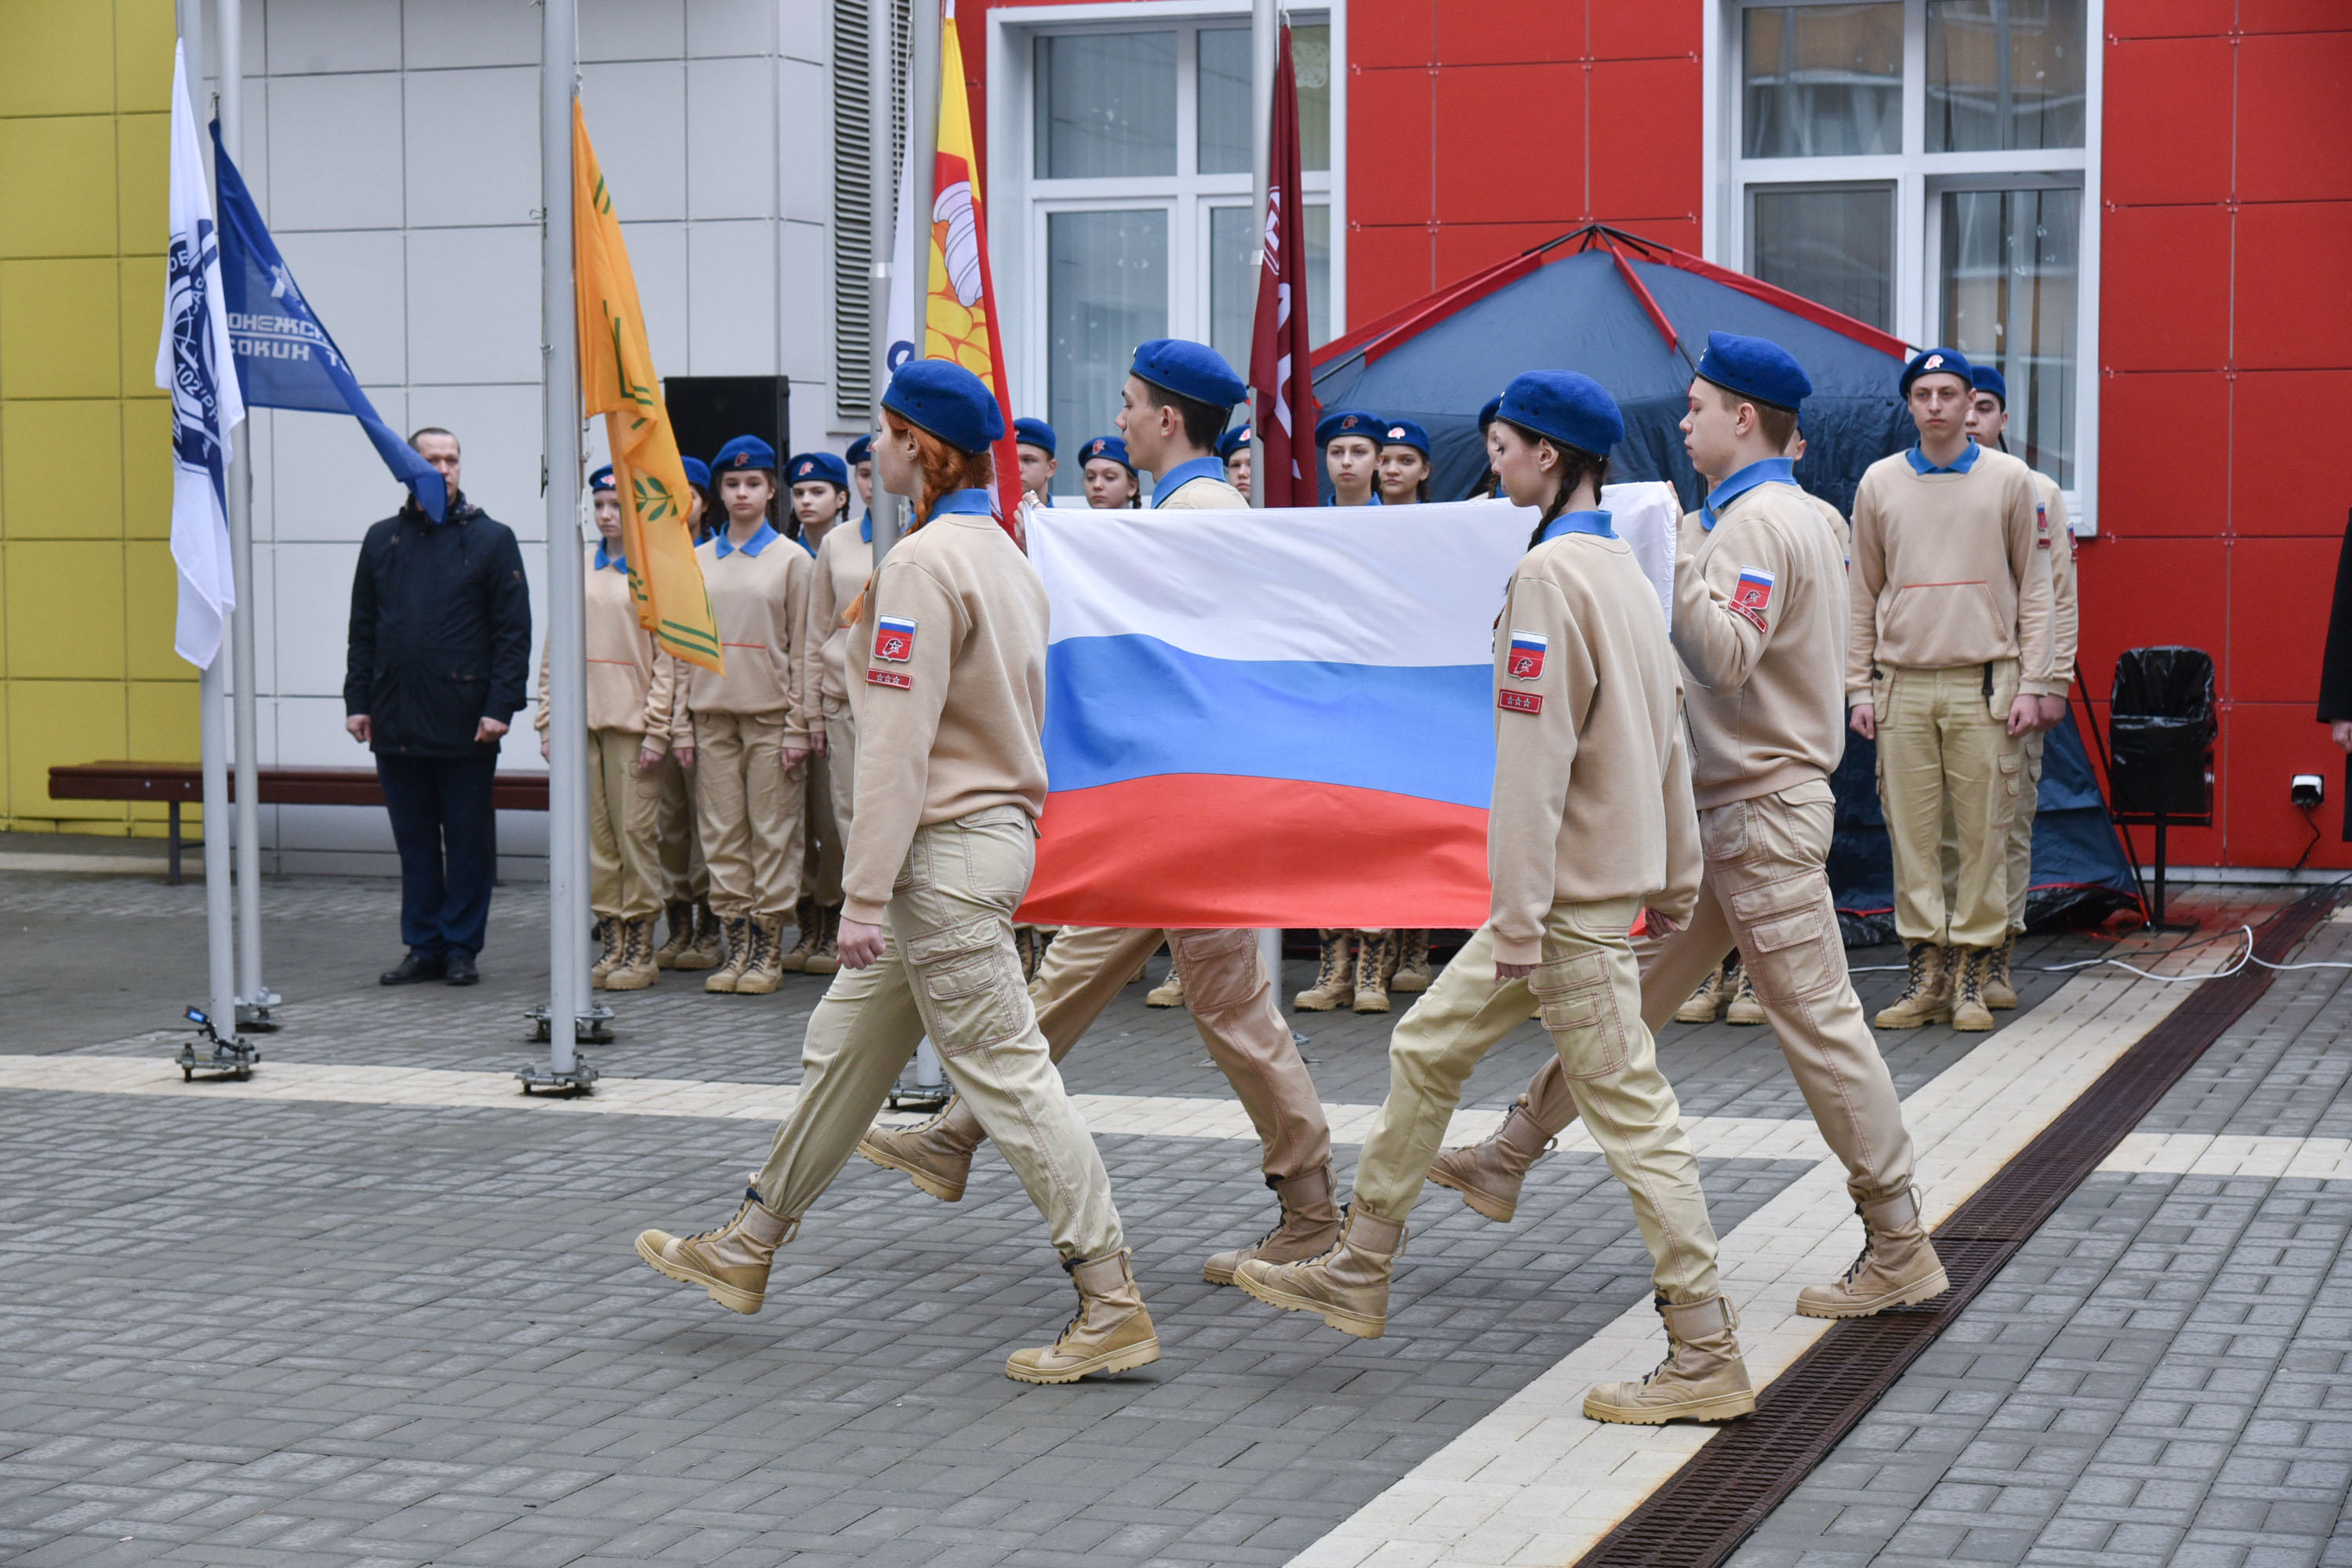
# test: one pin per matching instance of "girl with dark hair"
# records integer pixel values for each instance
(695, 942)
(820, 496)
(1112, 484)
(1402, 475)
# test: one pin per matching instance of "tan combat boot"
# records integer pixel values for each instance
(637, 969)
(707, 948)
(1898, 1266)
(738, 955)
(1999, 991)
(1970, 1013)
(1348, 1285)
(1334, 984)
(681, 935)
(764, 972)
(1744, 1008)
(1375, 956)
(1489, 1174)
(730, 1262)
(1707, 1001)
(1168, 993)
(794, 960)
(1412, 972)
(1927, 994)
(1309, 1225)
(1702, 1378)
(1109, 1333)
(608, 950)
(1029, 946)
(825, 957)
(936, 1156)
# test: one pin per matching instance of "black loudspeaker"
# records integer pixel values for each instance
(708, 411)
(2161, 729)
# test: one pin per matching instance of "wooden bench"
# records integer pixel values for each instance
(178, 783)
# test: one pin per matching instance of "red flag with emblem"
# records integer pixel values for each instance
(1281, 380)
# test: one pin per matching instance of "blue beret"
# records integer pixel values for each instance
(1234, 441)
(942, 397)
(860, 451)
(1984, 378)
(1566, 407)
(602, 479)
(745, 452)
(1406, 433)
(1486, 414)
(1189, 370)
(1938, 362)
(1755, 368)
(808, 467)
(1109, 446)
(698, 472)
(1035, 433)
(1348, 422)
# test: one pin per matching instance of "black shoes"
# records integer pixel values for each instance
(462, 970)
(416, 967)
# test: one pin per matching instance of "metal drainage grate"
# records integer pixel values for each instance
(1749, 1466)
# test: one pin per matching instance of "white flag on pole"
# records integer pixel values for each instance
(192, 362)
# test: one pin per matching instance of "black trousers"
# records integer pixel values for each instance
(448, 839)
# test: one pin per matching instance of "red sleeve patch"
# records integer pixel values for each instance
(890, 678)
(1519, 702)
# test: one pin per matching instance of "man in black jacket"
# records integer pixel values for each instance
(440, 648)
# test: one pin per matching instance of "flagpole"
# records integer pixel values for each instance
(567, 907)
(1262, 30)
(923, 137)
(882, 173)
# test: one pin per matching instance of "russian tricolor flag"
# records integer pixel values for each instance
(1279, 718)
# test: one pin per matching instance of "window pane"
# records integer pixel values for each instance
(1824, 80)
(1232, 284)
(1319, 325)
(1226, 133)
(1107, 291)
(1105, 105)
(2009, 281)
(1833, 246)
(2004, 74)
(1310, 58)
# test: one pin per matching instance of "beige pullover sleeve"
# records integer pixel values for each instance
(1536, 730)
(2037, 609)
(2065, 639)
(1720, 634)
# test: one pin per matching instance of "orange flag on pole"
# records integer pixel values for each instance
(617, 380)
(960, 311)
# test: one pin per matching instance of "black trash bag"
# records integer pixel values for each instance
(2161, 729)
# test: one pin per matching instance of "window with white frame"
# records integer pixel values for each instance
(1137, 219)
(1921, 165)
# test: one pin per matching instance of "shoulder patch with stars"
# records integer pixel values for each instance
(1519, 702)
(898, 679)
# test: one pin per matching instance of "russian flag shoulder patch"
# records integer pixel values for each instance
(1752, 595)
(1525, 662)
(893, 639)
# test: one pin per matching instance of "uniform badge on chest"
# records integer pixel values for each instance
(893, 639)
(1524, 661)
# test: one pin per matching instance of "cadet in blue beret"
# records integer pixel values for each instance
(1178, 396)
(819, 484)
(1033, 440)
(1403, 468)
(695, 940)
(1235, 448)
(1111, 481)
(942, 397)
(602, 479)
(1350, 441)
(860, 458)
(1938, 362)
(1396, 961)
(1488, 484)
(820, 498)
(697, 476)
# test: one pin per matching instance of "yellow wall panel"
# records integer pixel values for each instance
(163, 723)
(62, 478)
(143, 182)
(53, 722)
(56, 56)
(151, 607)
(65, 610)
(144, 31)
(57, 183)
(142, 326)
(147, 468)
(60, 326)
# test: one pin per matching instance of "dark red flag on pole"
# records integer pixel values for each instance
(1280, 378)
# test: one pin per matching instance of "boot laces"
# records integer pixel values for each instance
(750, 1197)
(1861, 1260)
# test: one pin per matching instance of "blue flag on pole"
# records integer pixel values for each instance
(284, 357)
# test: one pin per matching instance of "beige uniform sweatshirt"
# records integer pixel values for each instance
(2056, 535)
(623, 662)
(1759, 622)
(1592, 793)
(761, 602)
(1946, 572)
(844, 562)
(1204, 495)
(949, 661)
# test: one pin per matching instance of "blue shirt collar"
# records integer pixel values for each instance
(974, 502)
(1375, 499)
(865, 528)
(1184, 473)
(1595, 522)
(804, 544)
(1763, 471)
(759, 540)
(607, 556)
(1920, 464)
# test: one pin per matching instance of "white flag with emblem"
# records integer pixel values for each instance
(192, 362)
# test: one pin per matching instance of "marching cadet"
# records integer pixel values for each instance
(1235, 448)
(950, 668)
(1112, 483)
(1033, 440)
(1949, 658)
(625, 877)
(1760, 625)
(821, 500)
(695, 940)
(747, 798)
(844, 562)
(2054, 535)
(1350, 456)
(1592, 821)
(1177, 397)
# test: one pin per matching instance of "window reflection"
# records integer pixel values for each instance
(1105, 105)
(1824, 80)
(2010, 280)
(1835, 246)
(2004, 75)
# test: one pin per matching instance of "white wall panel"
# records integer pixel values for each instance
(334, 153)
(441, 33)
(634, 119)
(732, 271)
(731, 28)
(499, 435)
(310, 734)
(314, 611)
(803, 30)
(632, 29)
(805, 134)
(305, 37)
(658, 257)
(473, 146)
(805, 345)
(326, 480)
(730, 129)
(473, 305)
(357, 283)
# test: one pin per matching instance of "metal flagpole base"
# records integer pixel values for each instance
(924, 1085)
(593, 1028)
(581, 1079)
(226, 1058)
(256, 1012)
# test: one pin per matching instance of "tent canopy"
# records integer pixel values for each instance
(1634, 316)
